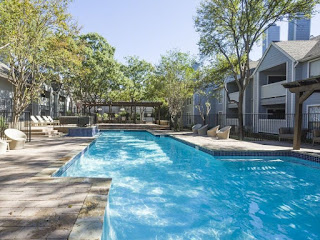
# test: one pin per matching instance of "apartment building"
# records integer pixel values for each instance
(53, 100)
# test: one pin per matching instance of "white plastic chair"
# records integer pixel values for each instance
(17, 138)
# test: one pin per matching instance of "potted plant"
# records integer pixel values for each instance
(99, 117)
(116, 116)
(105, 117)
(123, 115)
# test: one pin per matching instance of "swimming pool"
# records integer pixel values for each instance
(165, 189)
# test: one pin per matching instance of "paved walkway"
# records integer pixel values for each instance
(33, 205)
(236, 145)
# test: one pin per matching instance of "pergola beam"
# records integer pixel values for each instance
(302, 90)
(128, 104)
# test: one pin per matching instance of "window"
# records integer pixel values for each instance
(274, 79)
(314, 68)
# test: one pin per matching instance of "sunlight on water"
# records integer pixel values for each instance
(164, 189)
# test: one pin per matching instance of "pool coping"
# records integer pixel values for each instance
(89, 223)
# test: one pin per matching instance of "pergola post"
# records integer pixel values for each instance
(159, 117)
(297, 122)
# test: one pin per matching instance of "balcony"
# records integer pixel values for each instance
(273, 90)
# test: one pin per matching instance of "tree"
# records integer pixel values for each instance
(176, 76)
(230, 28)
(31, 35)
(99, 73)
(138, 73)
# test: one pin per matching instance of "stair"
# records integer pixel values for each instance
(43, 132)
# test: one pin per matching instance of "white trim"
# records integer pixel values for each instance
(287, 91)
(293, 77)
(308, 66)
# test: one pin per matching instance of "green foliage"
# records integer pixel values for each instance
(99, 73)
(175, 81)
(105, 116)
(123, 114)
(230, 28)
(35, 34)
(137, 76)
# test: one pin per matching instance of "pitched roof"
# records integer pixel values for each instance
(300, 49)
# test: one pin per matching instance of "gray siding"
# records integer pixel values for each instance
(273, 58)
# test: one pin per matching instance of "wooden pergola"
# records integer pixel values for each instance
(302, 90)
(126, 104)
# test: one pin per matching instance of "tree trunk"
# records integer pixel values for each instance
(174, 120)
(240, 115)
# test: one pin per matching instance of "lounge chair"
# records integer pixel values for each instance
(213, 131)
(203, 130)
(47, 120)
(196, 127)
(315, 136)
(224, 133)
(288, 133)
(41, 120)
(35, 122)
(17, 138)
(55, 122)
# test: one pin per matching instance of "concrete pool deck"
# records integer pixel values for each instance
(236, 145)
(34, 205)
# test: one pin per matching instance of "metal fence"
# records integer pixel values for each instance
(259, 126)
(24, 124)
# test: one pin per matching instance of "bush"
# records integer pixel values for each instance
(105, 116)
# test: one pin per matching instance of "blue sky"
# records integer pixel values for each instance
(149, 28)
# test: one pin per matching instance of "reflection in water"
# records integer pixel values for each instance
(164, 189)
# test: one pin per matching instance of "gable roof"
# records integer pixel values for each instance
(297, 49)
(300, 50)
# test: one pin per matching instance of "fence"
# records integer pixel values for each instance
(258, 126)
(24, 124)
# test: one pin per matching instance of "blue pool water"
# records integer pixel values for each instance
(164, 189)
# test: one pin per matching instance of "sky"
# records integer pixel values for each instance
(150, 28)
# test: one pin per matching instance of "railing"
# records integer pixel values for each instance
(24, 123)
(258, 126)
(234, 96)
(273, 90)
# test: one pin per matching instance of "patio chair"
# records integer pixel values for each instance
(47, 120)
(315, 136)
(203, 130)
(213, 131)
(41, 120)
(55, 122)
(196, 127)
(35, 122)
(17, 138)
(224, 133)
